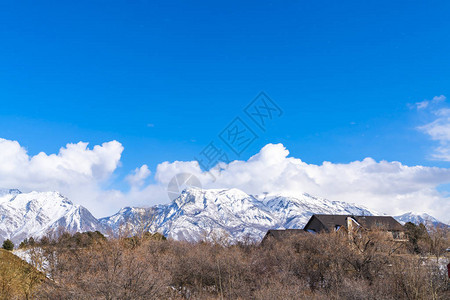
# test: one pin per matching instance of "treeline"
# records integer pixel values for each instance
(320, 266)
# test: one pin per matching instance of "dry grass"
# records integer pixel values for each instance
(18, 279)
(323, 266)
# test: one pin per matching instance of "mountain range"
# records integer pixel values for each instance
(23, 215)
(195, 215)
(419, 218)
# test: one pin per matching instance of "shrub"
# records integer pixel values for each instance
(320, 266)
(8, 245)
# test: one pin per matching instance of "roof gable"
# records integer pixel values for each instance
(330, 222)
(333, 222)
(381, 222)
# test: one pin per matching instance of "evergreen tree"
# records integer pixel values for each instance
(8, 245)
(23, 244)
(415, 235)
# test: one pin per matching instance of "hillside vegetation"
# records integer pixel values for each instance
(308, 266)
(18, 279)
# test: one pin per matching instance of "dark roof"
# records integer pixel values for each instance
(382, 222)
(331, 222)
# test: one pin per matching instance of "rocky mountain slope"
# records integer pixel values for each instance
(198, 214)
(35, 214)
(418, 218)
(195, 215)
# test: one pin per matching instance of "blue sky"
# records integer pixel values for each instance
(164, 78)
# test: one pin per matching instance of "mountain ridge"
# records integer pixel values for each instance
(419, 218)
(37, 213)
(197, 214)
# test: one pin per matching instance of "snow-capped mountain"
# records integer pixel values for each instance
(295, 212)
(418, 218)
(195, 215)
(198, 214)
(23, 215)
(129, 220)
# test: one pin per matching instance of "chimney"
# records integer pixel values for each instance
(350, 226)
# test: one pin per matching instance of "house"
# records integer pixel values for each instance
(350, 224)
(280, 234)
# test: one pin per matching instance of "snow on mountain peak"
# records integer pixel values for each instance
(418, 218)
(6, 193)
(36, 213)
(195, 215)
(9, 191)
(199, 213)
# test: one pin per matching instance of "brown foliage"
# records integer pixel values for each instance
(108, 270)
(18, 279)
(321, 266)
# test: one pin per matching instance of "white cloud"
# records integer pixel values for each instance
(439, 130)
(426, 103)
(137, 178)
(74, 163)
(389, 187)
(82, 174)
(437, 99)
(422, 104)
(75, 170)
